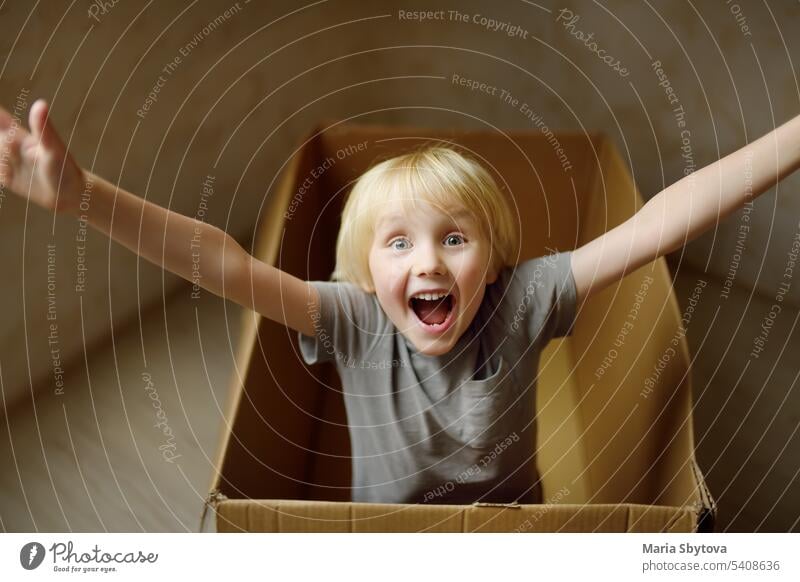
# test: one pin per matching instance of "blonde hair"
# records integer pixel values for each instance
(438, 175)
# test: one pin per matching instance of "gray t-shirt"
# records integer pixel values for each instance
(454, 428)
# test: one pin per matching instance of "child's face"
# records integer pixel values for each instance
(429, 249)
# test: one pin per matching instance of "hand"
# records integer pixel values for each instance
(37, 165)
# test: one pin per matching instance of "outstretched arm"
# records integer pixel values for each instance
(201, 253)
(689, 207)
(37, 166)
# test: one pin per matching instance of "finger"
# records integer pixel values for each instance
(5, 119)
(41, 126)
(9, 159)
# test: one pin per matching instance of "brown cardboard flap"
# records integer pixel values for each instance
(375, 517)
(549, 518)
(655, 518)
(287, 516)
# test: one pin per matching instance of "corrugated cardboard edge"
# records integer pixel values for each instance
(297, 516)
(707, 509)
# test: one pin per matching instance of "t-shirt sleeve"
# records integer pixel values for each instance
(348, 323)
(540, 300)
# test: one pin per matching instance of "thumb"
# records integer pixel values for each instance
(42, 128)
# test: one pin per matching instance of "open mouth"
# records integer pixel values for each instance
(434, 314)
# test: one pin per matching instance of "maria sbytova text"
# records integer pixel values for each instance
(685, 548)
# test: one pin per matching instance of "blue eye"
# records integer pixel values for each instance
(458, 238)
(398, 240)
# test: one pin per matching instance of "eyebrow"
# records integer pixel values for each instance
(388, 219)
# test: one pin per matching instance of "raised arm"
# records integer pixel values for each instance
(200, 253)
(38, 166)
(686, 209)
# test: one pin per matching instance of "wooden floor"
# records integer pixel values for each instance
(94, 459)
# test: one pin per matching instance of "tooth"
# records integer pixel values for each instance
(429, 296)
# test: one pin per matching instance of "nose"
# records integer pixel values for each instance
(427, 261)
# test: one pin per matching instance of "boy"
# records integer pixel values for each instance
(435, 333)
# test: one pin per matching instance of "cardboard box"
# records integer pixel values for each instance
(616, 447)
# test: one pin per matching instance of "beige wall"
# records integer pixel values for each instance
(234, 97)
